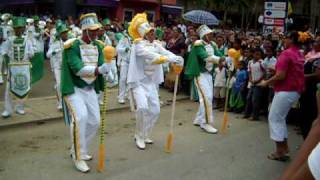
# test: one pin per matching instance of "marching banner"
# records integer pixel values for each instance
(20, 79)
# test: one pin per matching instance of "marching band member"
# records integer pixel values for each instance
(123, 49)
(81, 79)
(7, 31)
(144, 76)
(37, 35)
(20, 50)
(200, 66)
(55, 54)
(1, 54)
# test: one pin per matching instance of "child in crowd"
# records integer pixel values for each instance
(220, 85)
(256, 75)
(193, 37)
(238, 93)
(247, 55)
(269, 64)
(221, 47)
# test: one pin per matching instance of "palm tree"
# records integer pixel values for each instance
(222, 5)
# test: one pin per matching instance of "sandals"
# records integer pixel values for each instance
(276, 157)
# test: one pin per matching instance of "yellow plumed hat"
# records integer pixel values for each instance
(139, 26)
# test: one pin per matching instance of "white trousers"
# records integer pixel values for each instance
(1, 65)
(57, 76)
(281, 104)
(204, 84)
(84, 108)
(4, 64)
(8, 104)
(314, 162)
(113, 75)
(148, 108)
(123, 91)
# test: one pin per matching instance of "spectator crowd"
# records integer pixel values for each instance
(258, 75)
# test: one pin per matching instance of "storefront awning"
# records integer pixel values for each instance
(104, 3)
(142, 1)
(16, 2)
(171, 9)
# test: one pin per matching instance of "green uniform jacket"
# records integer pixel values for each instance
(196, 63)
(72, 63)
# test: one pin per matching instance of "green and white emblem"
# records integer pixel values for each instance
(20, 79)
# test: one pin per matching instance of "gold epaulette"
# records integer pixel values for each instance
(69, 43)
(198, 43)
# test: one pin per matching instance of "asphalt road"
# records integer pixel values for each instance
(41, 151)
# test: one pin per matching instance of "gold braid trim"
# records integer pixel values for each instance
(75, 129)
(205, 101)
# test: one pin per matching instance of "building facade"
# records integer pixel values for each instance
(122, 10)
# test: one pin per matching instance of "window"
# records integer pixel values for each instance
(128, 15)
(151, 16)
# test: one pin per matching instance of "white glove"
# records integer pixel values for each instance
(179, 61)
(104, 68)
(109, 77)
(176, 59)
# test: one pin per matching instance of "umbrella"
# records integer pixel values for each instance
(201, 17)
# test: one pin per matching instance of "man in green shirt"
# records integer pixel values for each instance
(81, 79)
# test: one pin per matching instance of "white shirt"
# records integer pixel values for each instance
(141, 67)
(55, 53)
(269, 63)
(123, 50)
(220, 79)
(7, 31)
(256, 70)
(53, 32)
(210, 50)
(183, 29)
